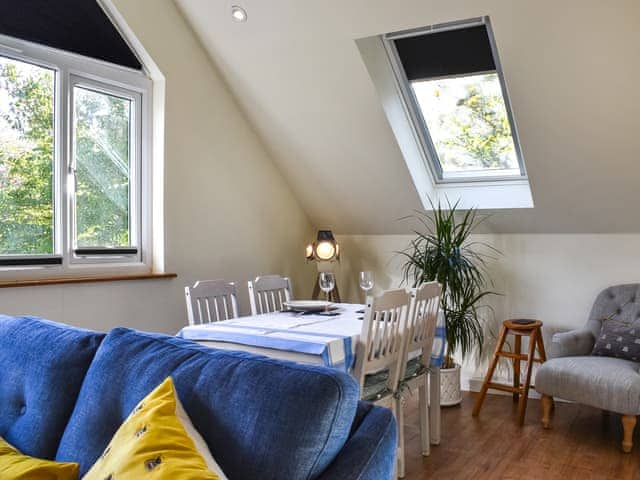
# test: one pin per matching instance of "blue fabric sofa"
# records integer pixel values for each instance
(64, 392)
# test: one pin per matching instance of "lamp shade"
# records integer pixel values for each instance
(324, 249)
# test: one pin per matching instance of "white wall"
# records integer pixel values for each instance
(228, 211)
(551, 277)
(571, 68)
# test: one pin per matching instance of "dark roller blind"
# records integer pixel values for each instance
(78, 26)
(450, 52)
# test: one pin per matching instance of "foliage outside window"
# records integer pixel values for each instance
(102, 147)
(467, 119)
(26, 158)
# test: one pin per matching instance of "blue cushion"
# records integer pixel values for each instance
(42, 365)
(262, 418)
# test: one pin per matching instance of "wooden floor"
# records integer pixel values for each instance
(582, 444)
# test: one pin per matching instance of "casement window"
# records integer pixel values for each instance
(74, 160)
(454, 89)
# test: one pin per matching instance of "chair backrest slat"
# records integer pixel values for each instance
(268, 293)
(421, 323)
(381, 338)
(206, 298)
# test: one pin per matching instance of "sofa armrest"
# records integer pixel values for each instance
(370, 450)
(571, 344)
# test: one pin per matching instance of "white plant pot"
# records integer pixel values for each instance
(450, 390)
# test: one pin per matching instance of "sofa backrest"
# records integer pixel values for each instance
(620, 302)
(262, 418)
(42, 366)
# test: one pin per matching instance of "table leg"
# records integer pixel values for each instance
(434, 402)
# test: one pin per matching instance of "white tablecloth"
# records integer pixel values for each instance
(311, 338)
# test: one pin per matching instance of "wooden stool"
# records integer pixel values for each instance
(518, 328)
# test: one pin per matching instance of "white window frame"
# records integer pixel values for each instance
(70, 70)
(415, 112)
(490, 193)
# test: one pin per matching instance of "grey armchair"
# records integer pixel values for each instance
(611, 384)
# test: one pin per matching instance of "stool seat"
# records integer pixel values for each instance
(518, 328)
(514, 324)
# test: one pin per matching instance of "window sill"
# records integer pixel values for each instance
(84, 279)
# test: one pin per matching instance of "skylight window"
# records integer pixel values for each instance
(454, 90)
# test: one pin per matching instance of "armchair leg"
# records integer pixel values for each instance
(628, 424)
(547, 406)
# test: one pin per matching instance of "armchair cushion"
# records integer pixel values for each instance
(619, 340)
(602, 382)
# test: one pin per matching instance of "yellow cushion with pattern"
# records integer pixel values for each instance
(16, 466)
(157, 442)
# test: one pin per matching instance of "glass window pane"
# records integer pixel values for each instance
(102, 150)
(468, 124)
(26, 158)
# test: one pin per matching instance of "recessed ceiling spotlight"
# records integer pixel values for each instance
(238, 14)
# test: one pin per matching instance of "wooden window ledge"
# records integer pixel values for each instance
(87, 279)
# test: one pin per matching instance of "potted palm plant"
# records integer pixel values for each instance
(443, 251)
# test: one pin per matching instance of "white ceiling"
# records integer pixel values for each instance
(571, 66)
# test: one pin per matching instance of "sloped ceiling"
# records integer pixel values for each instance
(572, 69)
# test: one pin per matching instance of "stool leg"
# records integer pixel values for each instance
(489, 376)
(522, 406)
(516, 366)
(541, 350)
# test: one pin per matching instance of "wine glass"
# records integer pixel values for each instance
(327, 283)
(366, 281)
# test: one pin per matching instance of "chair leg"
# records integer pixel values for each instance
(394, 410)
(424, 416)
(400, 419)
(434, 406)
(547, 406)
(489, 376)
(628, 425)
(522, 406)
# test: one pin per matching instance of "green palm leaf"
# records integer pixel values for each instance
(442, 251)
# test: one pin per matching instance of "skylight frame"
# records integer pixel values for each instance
(419, 124)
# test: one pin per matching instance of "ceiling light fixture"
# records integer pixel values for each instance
(238, 14)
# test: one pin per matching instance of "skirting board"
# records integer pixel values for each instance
(471, 384)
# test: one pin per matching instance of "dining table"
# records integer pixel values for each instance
(315, 338)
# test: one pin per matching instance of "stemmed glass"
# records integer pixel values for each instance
(327, 283)
(366, 281)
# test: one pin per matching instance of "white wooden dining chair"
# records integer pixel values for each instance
(379, 349)
(211, 301)
(419, 334)
(268, 293)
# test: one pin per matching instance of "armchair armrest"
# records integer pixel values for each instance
(370, 450)
(572, 343)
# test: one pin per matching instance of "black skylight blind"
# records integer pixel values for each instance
(446, 53)
(78, 26)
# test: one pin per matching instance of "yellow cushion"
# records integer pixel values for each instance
(16, 466)
(153, 440)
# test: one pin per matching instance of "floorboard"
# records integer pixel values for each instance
(583, 444)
